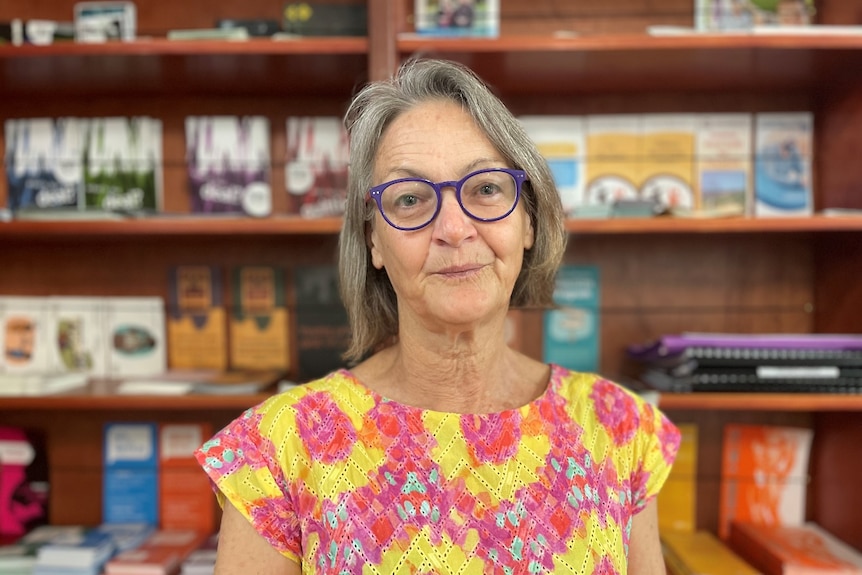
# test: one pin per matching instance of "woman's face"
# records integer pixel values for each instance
(456, 271)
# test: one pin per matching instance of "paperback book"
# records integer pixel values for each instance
(322, 329)
(764, 475)
(123, 164)
(742, 15)
(186, 500)
(44, 163)
(457, 17)
(561, 141)
(782, 164)
(161, 554)
(23, 481)
(197, 331)
(24, 335)
(677, 501)
(76, 332)
(572, 329)
(614, 159)
(228, 162)
(723, 164)
(130, 487)
(315, 173)
(135, 330)
(258, 324)
(668, 146)
(701, 553)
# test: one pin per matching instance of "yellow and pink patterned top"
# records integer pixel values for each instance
(344, 481)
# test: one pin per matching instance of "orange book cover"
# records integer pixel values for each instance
(794, 550)
(161, 554)
(186, 500)
(764, 475)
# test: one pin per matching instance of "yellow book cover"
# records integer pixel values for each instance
(668, 168)
(259, 319)
(723, 178)
(677, 501)
(197, 333)
(614, 158)
(702, 553)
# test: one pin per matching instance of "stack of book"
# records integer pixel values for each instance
(702, 553)
(807, 363)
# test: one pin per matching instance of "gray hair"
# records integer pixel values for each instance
(366, 291)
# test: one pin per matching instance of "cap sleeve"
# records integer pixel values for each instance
(657, 446)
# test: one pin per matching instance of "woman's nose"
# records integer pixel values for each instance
(452, 226)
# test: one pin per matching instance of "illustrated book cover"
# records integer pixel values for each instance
(764, 475)
(457, 18)
(24, 337)
(571, 331)
(315, 172)
(186, 500)
(614, 158)
(136, 335)
(668, 146)
(44, 163)
(228, 163)
(24, 482)
(782, 164)
(723, 164)
(259, 319)
(123, 164)
(197, 329)
(561, 141)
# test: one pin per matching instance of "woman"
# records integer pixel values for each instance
(444, 450)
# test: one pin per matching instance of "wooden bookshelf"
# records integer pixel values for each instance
(658, 275)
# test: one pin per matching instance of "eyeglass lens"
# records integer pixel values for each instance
(484, 195)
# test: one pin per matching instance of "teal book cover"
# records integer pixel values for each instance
(571, 330)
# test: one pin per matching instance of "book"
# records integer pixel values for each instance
(85, 549)
(782, 164)
(44, 163)
(130, 473)
(127, 535)
(322, 328)
(571, 331)
(77, 335)
(33, 384)
(24, 335)
(764, 475)
(228, 163)
(186, 500)
(202, 560)
(196, 322)
(123, 164)
(668, 145)
(746, 15)
(677, 501)
(315, 172)
(701, 553)
(614, 158)
(203, 381)
(161, 554)
(723, 179)
(457, 18)
(806, 549)
(259, 319)
(136, 333)
(561, 141)
(24, 485)
(19, 557)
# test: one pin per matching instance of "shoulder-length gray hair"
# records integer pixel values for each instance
(366, 291)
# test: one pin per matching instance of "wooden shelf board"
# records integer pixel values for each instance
(531, 65)
(801, 402)
(292, 225)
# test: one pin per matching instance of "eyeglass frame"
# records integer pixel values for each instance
(376, 193)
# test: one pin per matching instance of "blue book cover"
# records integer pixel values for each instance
(571, 331)
(130, 474)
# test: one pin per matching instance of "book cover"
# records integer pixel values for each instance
(44, 163)
(161, 554)
(77, 337)
(728, 15)
(85, 549)
(677, 501)
(561, 141)
(228, 162)
(196, 325)
(130, 487)
(23, 481)
(186, 500)
(805, 549)
(572, 329)
(764, 475)
(668, 146)
(701, 552)
(258, 323)
(457, 18)
(723, 164)
(136, 334)
(315, 172)
(123, 164)
(24, 336)
(322, 328)
(782, 164)
(614, 158)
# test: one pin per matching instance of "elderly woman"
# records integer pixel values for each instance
(442, 450)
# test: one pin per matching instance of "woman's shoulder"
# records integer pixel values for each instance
(335, 383)
(589, 390)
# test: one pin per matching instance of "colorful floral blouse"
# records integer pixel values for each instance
(344, 481)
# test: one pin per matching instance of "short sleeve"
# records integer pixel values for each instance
(657, 446)
(243, 464)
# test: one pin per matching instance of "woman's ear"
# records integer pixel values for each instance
(373, 241)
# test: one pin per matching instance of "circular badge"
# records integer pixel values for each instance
(257, 199)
